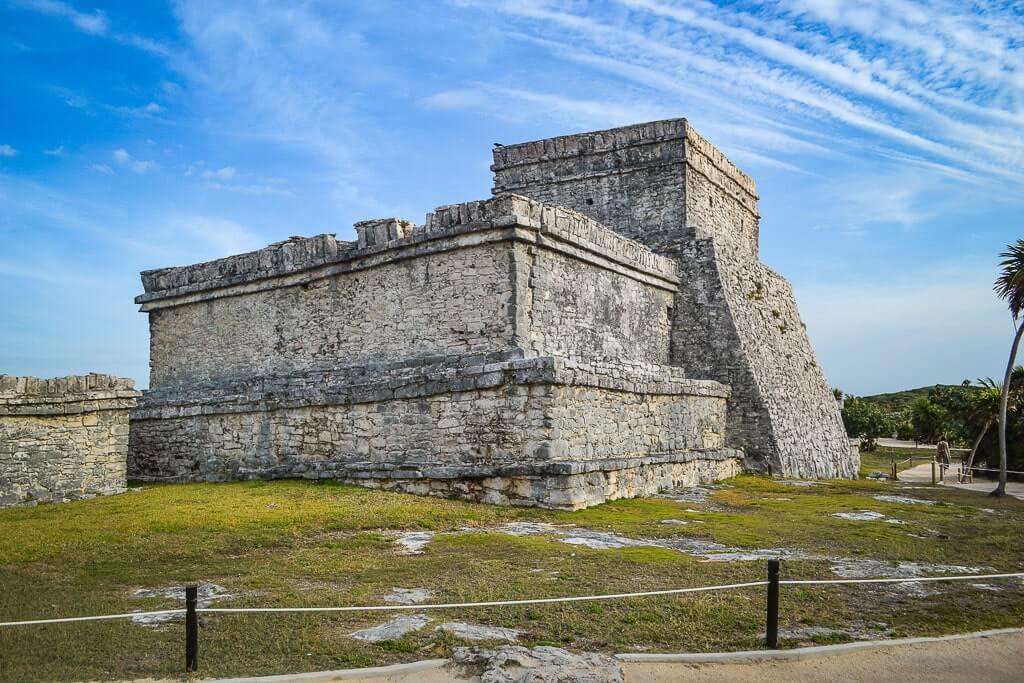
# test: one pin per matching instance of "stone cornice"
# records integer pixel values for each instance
(413, 378)
(504, 218)
(65, 395)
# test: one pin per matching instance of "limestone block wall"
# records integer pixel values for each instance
(63, 438)
(733, 319)
(505, 350)
(478, 278)
(478, 432)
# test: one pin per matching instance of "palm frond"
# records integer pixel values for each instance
(1010, 283)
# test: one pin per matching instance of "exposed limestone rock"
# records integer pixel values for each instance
(513, 664)
(479, 632)
(206, 595)
(392, 630)
(408, 596)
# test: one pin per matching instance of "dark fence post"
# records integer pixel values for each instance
(894, 470)
(191, 629)
(772, 629)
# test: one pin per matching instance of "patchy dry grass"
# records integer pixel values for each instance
(290, 543)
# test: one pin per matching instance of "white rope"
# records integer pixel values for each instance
(381, 608)
(966, 577)
(502, 603)
(496, 603)
(102, 617)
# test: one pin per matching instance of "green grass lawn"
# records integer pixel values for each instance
(291, 543)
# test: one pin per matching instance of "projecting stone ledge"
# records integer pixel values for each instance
(542, 431)
(563, 485)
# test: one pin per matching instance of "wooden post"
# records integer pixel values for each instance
(933, 471)
(191, 629)
(772, 625)
(894, 470)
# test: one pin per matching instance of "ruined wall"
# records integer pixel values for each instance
(733, 320)
(428, 423)
(466, 355)
(63, 438)
(578, 311)
(558, 285)
(448, 302)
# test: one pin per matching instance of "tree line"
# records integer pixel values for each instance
(985, 416)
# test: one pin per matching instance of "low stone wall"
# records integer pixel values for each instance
(63, 438)
(530, 431)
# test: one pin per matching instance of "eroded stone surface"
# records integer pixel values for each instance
(867, 516)
(866, 568)
(508, 350)
(904, 500)
(206, 594)
(736, 320)
(64, 438)
(413, 542)
(514, 664)
(479, 632)
(393, 629)
(408, 596)
(691, 495)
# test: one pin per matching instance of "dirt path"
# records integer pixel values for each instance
(992, 659)
(922, 474)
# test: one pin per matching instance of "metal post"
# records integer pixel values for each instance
(772, 627)
(191, 629)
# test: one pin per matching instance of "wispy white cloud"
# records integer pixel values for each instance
(94, 22)
(55, 152)
(777, 69)
(217, 236)
(253, 189)
(123, 158)
(7, 151)
(102, 168)
(224, 173)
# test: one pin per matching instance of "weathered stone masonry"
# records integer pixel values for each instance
(734, 319)
(611, 335)
(506, 351)
(63, 438)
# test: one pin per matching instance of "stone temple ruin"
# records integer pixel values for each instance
(601, 328)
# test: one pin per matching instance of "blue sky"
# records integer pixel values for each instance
(886, 142)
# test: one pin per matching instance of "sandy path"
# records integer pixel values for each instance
(992, 659)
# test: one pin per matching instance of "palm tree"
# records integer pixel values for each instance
(1010, 287)
(986, 405)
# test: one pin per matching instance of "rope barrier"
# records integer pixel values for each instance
(496, 603)
(965, 577)
(502, 603)
(103, 617)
